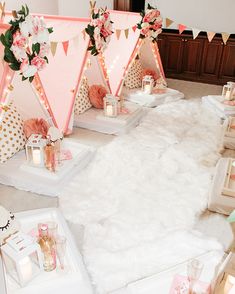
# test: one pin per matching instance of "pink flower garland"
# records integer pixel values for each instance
(151, 24)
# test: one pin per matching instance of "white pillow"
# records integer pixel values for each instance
(82, 101)
(134, 76)
(12, 138)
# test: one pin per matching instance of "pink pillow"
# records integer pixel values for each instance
(150, 72)
(96, 94)
(36, 126)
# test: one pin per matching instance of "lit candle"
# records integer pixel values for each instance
(109, 110)
(25, 267)
(36, 157)
(227, 95)
(147, 89)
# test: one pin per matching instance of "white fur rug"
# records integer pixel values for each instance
(142, 194)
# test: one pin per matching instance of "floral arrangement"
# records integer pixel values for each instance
(99, 30)
(26, 43)
(150, 24)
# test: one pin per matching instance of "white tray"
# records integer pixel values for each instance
(43, 182)
(75, 280)
(78, 152)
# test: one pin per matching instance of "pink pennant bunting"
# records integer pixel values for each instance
(65, 46)
(181, 28)
(210, 36)
(134, 28)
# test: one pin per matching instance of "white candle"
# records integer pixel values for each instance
(147, 89)
(227, 95)
(109, 110)
(25, 267)
(36, 156)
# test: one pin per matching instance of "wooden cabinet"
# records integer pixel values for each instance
(197, 59)
(211, 60)
(227, 69)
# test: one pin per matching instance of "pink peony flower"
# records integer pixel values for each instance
(19, 40)
(19, 52)
(96, 95)
(145, 31)
(39, 62)
(153, 14)
(150, 72)
(105, 32)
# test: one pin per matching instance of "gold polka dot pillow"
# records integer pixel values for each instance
(82, 101)
(12, 138)
(134, 76)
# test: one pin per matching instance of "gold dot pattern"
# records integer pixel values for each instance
(134, 76)
(12, 138)
(82, 101)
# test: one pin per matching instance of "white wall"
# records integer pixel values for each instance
(35, 6)
(80, 8)
(208, 15)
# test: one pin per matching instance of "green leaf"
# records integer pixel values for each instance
(9, 55)
(15, 66)
(46, 59)
(50, 30)
(31, 79)
(8, 38)
(24, 78)
(2, 39)
(27, 10)
(36, 48)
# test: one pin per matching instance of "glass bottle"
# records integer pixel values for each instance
(50, 157)
(48, 248)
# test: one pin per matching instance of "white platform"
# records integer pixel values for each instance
(16, 173)
(214, 103)
(217, 201)
(74, 281)
(153, 100)
(161, 282)
(93, 119)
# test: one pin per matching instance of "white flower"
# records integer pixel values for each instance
(144, 25)
(29, 71)
(40, 32)
(154, 34)
(18, 52)
(26, 27)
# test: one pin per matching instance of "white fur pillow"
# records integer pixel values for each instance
(82, 102)
(134, 76)
(12, 138)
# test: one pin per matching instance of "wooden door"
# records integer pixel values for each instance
(211, 60)
(227, 70)
(173, 55)
(124, 5)
(192, 54)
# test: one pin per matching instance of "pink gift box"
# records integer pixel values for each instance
(180, 286)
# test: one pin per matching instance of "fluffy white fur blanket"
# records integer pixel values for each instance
(141, 196)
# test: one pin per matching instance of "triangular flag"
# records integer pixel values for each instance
(168, 22)
(225, 37)
(84, 34)
(195, 33)
(65, 46)
(181, 28)
(76, 41)
(210, 36)
(126, 31)
(53, 48)
(134, 28)
(118, 34)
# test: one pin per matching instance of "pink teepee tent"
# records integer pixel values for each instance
(123, 48)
